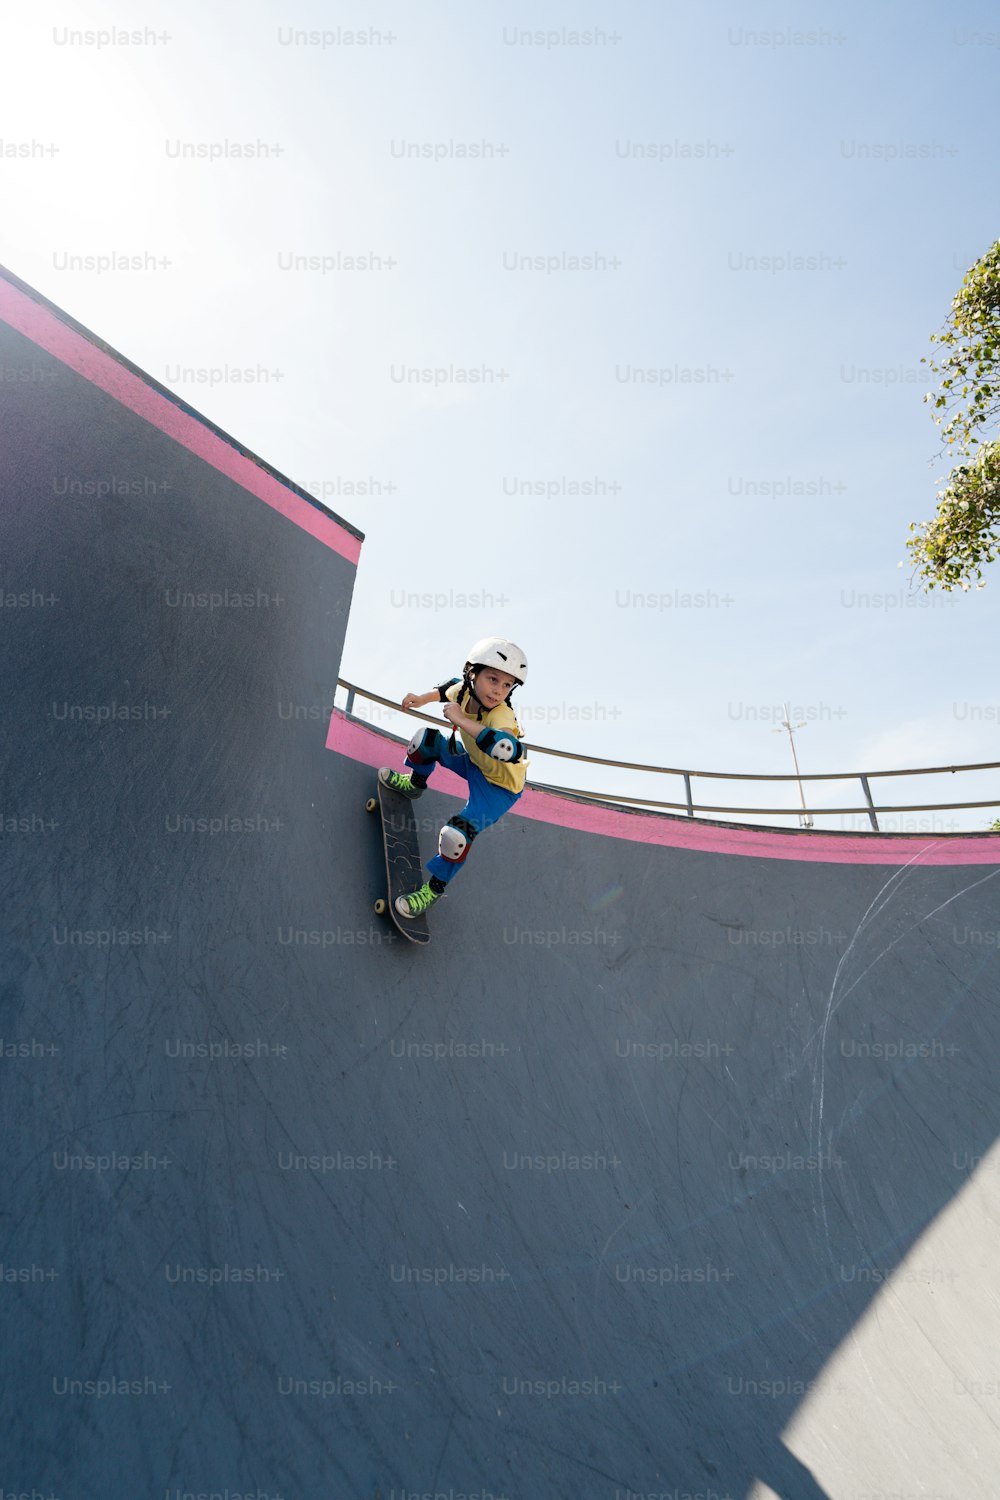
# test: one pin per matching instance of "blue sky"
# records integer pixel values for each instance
(768, 468)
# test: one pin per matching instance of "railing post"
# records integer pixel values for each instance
(350, 700)
(871, 805)
(687, 793)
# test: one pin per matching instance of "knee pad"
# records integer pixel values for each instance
(455, 840)
(499, 744)
(425, 746)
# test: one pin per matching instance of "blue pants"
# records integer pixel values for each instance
(486, 805)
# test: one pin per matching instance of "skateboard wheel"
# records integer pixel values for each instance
(381, 906)
(371, 805)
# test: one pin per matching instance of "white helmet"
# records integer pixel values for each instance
(494, 651)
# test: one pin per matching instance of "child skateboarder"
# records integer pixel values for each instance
(492, 761)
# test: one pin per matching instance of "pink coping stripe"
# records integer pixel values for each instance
(358, 742)
(103, 370)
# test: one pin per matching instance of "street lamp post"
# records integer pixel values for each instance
(805, 816)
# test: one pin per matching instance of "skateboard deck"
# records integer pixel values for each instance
(403, 870)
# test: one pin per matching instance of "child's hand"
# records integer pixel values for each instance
(453, 713)
(412, 700)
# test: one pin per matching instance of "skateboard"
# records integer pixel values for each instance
(403, 869)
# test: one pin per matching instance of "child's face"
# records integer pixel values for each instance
(492, 686)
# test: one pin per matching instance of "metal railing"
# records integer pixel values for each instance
(690, 807)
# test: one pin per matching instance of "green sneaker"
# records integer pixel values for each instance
(399, 781)
(418, 902)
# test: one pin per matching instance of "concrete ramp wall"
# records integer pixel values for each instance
(665, 1170)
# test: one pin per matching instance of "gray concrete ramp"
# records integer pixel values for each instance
(664, 1170)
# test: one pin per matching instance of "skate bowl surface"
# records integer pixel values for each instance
(666, 1169)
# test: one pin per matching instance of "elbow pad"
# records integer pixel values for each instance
(443, 688)
(500, 744)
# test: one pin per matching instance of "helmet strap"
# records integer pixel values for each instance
(470, 679)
